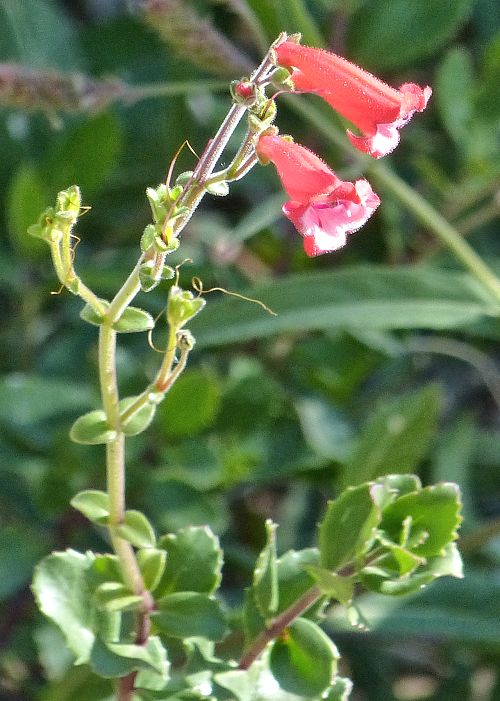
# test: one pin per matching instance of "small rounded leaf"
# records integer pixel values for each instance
(151, 562)
(113, 596)
(90, 315)
(137, 530)
(93, 504)
(139, 421)
(134, 320)
(92, 429)
(304, 660)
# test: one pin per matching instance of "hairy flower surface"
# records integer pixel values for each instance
(323, 208)
(378, 110)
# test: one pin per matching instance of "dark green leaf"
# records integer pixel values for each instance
(304, 660)
(189, 614)
(346, 528)
(408, 31)
(20, 549)
(395, 438)
(454, 94)
(433, 514)
(333, 585)
(194, 561)
(25, 200)
(112, 660)
(191, 405)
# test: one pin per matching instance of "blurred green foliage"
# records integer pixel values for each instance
(383, 357)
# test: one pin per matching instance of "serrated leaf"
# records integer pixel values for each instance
(92, 429)
(93, 504)
(333, 585)
(347, 527)
(134, 320)
(435, 517)
(112, 660)
(293, 577)
(389, 487)
(396, 437)
(265, 577)
(137, 530)
(62, 591)
(304, 660)
(194, 561)
(189, 614)
(140, 420)
(151, 562)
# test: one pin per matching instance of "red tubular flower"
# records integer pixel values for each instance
(323, 208)
(373, 106)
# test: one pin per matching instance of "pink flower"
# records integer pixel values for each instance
(323, 208)
(373, 106)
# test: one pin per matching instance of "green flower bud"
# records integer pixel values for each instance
(182, 306)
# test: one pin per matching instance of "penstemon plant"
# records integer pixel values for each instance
(147, 614)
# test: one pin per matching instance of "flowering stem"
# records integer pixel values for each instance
(417, 204)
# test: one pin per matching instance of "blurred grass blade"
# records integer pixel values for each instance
(374, 297)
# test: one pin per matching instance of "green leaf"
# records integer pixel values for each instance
(134, 320)
(93, 504)
(408, 31)
(293, 576)
(454, 93)
(114, 596)
(90, 315)
(191, 405)
(396, 437)
(62, 591)
(304, 660)
(92, 429)
(20, 549)
(347, 526)
(189, 614)
(333, 585)
(85, 154)
(26, 198)
(194, 561)
(265, 576)
(112, 660)
(137, 530)
(325, 429)
(152, 563)
(365, 296)
(139, 421)
(433, 514)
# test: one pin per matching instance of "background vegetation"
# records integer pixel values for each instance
(384, 357)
